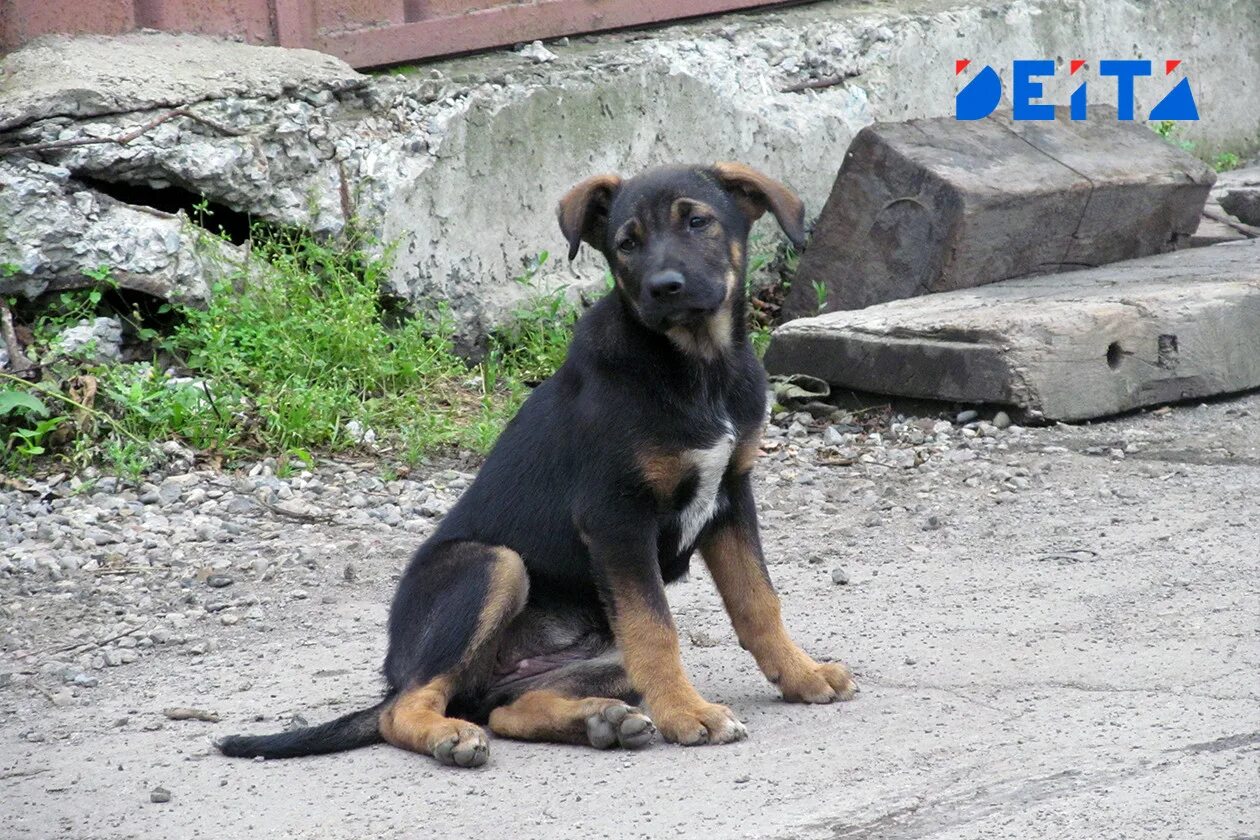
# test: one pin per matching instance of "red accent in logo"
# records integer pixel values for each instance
(1077, 64)
(960, 65)
(1171, 65)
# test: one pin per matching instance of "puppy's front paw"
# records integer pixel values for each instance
(813, 682)
(705, 723)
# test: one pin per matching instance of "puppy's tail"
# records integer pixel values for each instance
(348, 732)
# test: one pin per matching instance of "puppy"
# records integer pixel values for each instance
(538, 605)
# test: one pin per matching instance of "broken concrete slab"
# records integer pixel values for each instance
(1240, 190)
(1068, 346)
(57, 231)
(1243, 204)
(1217, 228)
(1238, 193)
(93, 75)
(933, 205)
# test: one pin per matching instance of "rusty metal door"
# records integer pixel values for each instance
(364, 33)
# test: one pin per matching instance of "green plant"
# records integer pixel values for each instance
(1226, 161)
(291, 348)
(534, 344)
(820, 294)
(1168, 130)
(759, 337)
(68, 308)
(27, 440)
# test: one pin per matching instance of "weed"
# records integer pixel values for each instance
(290, 350)
(820, 294)
(33, 423)
(1168, 130)
(534, 344)
(771, 269)
(1225, 161)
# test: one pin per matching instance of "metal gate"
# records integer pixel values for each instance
(364, 33)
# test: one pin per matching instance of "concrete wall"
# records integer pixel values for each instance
(460, 162)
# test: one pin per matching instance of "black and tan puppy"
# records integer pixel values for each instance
(538, 605)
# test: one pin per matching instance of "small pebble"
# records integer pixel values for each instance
(839, 576)
(159, 794)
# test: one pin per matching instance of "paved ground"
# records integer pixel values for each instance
(1056, 637)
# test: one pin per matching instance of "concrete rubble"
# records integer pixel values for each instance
(99, 338)
(1240, 195)
(932, 205)
(457, 165)
(1240, 188)
(1067, 346)
(58, 230)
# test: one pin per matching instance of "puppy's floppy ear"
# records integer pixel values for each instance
(757, 193)
(583, 212)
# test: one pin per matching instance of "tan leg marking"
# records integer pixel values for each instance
(417, 720)
(649, 644)
(546, 715)
(506, 594)
(754, 609)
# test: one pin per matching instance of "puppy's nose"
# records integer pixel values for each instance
(665, 284)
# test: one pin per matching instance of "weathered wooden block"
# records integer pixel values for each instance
(1066, 347)
(940, 204)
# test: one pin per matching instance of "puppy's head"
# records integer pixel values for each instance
(676, 239)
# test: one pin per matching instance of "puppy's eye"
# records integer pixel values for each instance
(627, 245)
(697, 222)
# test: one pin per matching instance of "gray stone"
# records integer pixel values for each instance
(53, 237)
(240, 505)
(1069, 347)
(170, 491)
(1244, 204)
(1243, 184)
(159, 794)
(938, 204)
(99, 339)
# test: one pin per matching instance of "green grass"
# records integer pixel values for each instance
(771, 268)
(280, 363)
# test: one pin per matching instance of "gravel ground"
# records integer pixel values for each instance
(1055, 631)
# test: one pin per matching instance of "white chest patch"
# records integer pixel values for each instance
(710, 465)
